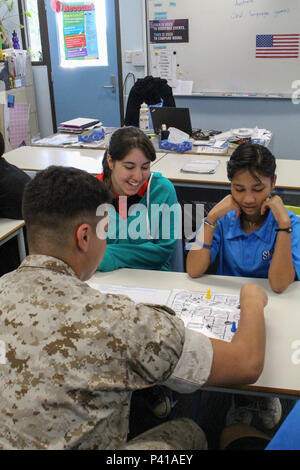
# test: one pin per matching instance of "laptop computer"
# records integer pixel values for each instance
(172, 117)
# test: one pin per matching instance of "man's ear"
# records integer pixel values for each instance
(274, 182)
(82, 237)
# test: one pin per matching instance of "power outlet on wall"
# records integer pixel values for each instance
(128, 57)
(138, 58)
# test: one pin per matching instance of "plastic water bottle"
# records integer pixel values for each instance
(144, 117)
(164, 133)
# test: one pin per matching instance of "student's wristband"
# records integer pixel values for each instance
(207, 222)
(287, 229)
(203, 245)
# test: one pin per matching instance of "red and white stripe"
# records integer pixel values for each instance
(284, 46)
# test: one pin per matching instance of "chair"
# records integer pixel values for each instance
(294, 209)
(150, 90)
(177, 259)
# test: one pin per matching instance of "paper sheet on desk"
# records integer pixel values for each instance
(201, 166)
(137, 294)
(212, 317)
(95, 144)
(58, 139)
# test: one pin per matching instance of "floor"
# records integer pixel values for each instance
(208, 409)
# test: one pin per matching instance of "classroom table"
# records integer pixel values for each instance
(60, 140)
(32, 159)
(211, 187)
(10, 228)
(281, 373)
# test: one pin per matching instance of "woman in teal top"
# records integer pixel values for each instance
(144, 219)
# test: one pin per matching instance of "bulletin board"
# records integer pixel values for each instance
(226, 47)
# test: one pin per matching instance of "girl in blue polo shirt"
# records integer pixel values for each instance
(251, 232)
(254, 236)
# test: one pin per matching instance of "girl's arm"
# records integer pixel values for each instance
(281, 272)
(199, 257)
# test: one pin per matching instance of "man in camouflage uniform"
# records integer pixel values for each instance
(73, 355)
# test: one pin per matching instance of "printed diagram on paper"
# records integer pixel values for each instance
(213, 316)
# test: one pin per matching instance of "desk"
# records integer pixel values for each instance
(282, 314)
(60, 140)
(13, 228)
(288, 179)
(33, 159)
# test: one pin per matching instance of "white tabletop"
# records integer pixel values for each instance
(282, 317)
(288, 171)
(34, 159)
(38, 158)
(9, 226)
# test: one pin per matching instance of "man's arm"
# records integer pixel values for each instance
(238, 362)
(242, 360)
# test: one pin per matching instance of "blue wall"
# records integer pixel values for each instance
(280, 116)
(131, 19)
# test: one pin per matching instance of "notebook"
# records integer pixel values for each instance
(172, 117)
(80, 123)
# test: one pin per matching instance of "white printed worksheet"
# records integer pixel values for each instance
(215, 315)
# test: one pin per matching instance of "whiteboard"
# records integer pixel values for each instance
(220, 55)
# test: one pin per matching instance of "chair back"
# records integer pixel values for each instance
(294, 209)
(177, 259)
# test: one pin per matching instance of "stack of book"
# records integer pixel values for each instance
(78, 125)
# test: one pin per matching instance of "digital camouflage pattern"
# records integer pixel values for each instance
(73, 357)
(178, 434)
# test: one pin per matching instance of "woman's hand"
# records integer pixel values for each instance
(223, 207)
(275, 204)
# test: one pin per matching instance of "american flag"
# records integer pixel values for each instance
(277, 46)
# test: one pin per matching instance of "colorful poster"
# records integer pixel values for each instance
(79, 31)
(169, 31)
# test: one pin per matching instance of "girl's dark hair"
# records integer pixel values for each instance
(255, 158)
(122, 142)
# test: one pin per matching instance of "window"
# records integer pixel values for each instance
(29, 13)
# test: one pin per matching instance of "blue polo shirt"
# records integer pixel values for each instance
(250, 255)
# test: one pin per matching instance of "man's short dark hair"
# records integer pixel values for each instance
(59, 196)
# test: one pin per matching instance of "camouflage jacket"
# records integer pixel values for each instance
(73, 356)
